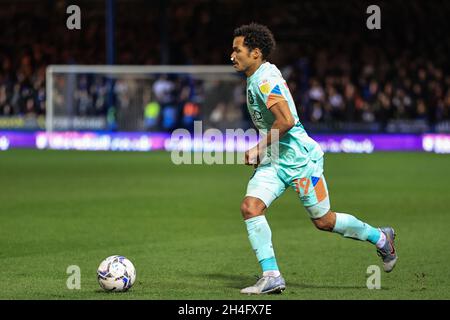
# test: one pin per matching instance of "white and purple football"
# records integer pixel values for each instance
(116, 273)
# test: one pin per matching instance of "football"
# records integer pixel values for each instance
(116, 273)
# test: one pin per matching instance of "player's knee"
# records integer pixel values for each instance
(325, 223)
(250, 210)
(322, 225)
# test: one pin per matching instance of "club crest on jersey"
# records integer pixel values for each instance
(265, 87)
(250, 98)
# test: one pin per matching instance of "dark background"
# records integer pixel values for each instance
(338, 70)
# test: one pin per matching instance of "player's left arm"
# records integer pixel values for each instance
(284, 121)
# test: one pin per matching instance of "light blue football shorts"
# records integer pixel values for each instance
(268, 183)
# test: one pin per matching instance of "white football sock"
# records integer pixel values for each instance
(382, 241)
(271, 273)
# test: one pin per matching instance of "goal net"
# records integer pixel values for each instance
(143, 98)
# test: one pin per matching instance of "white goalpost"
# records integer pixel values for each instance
(125, 97)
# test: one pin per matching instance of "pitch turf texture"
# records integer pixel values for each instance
(181, 227)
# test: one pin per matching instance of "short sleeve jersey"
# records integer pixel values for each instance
(265, 88)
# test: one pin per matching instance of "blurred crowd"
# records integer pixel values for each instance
(379, 89)
(337, 69)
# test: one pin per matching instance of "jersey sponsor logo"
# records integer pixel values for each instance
(250, 98)
(257, 116)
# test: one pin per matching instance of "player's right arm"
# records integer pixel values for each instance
(284, 121)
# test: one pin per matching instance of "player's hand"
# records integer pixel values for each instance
(252, 157)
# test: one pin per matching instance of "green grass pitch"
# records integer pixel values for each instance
(181, 226)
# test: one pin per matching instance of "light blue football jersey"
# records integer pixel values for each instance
(265, 88)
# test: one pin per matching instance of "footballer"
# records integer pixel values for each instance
(298, 163)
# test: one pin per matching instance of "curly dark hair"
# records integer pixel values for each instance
(257, 36)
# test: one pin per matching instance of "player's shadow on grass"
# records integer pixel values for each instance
(100, 291)
(315, 286)
(238, 281)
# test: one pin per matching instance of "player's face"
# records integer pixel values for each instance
(240, 57)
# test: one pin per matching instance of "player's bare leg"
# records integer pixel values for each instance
(260, 237)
